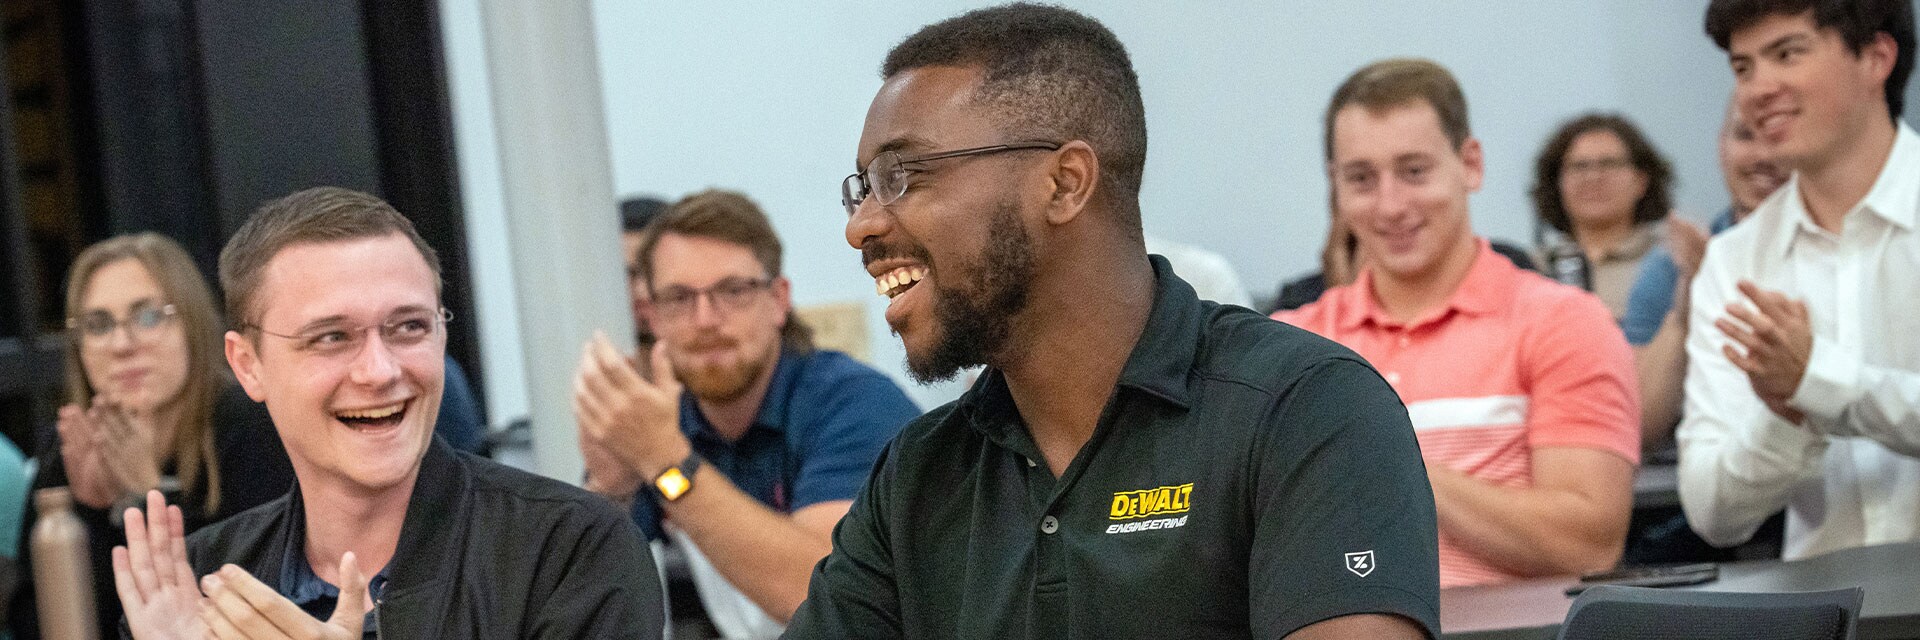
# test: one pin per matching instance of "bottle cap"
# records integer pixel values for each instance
(53, 499)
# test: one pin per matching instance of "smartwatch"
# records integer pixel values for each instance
(677, 480)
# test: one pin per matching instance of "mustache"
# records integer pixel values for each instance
(874, 251)
(708, 341)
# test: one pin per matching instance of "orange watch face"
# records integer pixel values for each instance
(672, 484)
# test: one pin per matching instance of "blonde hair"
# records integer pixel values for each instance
(182, 285)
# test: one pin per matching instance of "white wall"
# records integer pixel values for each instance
(768, 98)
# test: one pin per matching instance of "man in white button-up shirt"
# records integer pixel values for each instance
(1803, 390)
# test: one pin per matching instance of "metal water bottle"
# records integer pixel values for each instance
(62, 573)
(1567, 264)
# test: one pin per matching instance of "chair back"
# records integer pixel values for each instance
(1608, 612)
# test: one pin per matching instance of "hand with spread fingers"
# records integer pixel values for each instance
(125, 441)
(633, 419)
(152, 577)
(1775, 338)
(80, 457)
(241, 606)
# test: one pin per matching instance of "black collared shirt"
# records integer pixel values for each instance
(1246, 479)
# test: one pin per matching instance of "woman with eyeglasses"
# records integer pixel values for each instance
(1603, 187)
(151, 405)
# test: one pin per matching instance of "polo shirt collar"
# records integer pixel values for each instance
(1157, 366)
(773, 406)
(1487, 288)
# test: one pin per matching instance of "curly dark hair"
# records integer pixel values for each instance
(1653, 205)
(1049, 74)
(1856, 20)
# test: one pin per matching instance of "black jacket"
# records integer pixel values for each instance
(487, 551)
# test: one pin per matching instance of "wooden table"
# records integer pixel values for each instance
(1533, 609)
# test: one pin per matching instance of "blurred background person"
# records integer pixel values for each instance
(150, 400)
(1341, 260)
(1603, 187)
(1656, 318)
(635, 215)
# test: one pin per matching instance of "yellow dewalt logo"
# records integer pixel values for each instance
(1151, 502)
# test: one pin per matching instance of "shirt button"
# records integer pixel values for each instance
(1031, 463)
(1049, 525)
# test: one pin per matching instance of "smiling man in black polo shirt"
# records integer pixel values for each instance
(1134, 462)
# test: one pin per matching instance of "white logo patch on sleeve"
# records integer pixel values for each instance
(1360, 562)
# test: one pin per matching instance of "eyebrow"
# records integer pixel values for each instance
(337, 319)
(901, 143)
(148, 301)
(1782, 41)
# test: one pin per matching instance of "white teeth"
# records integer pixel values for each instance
(373, 414)
(889, 283)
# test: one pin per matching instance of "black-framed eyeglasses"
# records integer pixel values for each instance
(142, 320)
(408, 330)
(885, 178)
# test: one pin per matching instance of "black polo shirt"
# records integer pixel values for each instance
(1246, 479)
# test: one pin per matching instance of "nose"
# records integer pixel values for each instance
(120, 340)
(1753, 92)
(704, 313)
(375, 365)
(869, 220)
(1395, 197)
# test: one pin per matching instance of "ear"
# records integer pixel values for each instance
(1475, 160)
(1076, 170)
(244, 359)
(783, 294)
(1880, 55)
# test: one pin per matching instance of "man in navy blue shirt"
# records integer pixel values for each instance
(746, 443)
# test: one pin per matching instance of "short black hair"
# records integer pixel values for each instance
(1050, 74)
(1856, 20)
(639, 211)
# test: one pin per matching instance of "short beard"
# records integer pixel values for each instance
(973, 324)
(723, 384)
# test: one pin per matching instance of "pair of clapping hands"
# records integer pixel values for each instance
(108, 451)
(164, 600)
(629, 416)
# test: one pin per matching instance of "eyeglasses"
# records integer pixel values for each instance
(1596, 165)
(732, 294)
(409, 330)
(141, 321)
(886, 176)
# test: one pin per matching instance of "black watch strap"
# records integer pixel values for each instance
(677, 480)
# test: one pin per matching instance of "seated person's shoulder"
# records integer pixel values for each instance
(1248, 348)
(828, 372)
(1539, 300)
(499, 484)
(237, 539)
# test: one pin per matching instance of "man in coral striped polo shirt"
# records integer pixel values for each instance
(1521, 390)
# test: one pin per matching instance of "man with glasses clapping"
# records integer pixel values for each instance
(744, 444)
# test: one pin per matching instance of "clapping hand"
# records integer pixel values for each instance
(631, 418)
(125, 441)
(80, 457)
(163, 601)
(241, 606)
(151, 574)
(1775, 339)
